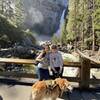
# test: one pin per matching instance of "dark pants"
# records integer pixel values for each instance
(43, 74)
(56, 75)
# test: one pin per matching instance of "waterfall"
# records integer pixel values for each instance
(62, 19)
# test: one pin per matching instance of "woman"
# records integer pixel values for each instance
(56, 62)
(43, 58)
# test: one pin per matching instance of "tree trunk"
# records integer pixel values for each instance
(2, 7)
(82, 37)
(93, 32)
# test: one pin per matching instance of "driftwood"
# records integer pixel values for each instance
(87, 57)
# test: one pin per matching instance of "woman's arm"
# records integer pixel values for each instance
(51, 64)
(40, 56)
(61, 62)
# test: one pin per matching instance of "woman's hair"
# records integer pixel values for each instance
(53, 46)
(47, 46)
(44, 52)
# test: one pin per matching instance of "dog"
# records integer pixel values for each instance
(50, 89)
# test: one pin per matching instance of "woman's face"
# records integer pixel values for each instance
(46, 48)
(53, 50)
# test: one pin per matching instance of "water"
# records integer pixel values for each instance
(41, 39)
(62, 19)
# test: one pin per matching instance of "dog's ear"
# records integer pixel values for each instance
(63, 84)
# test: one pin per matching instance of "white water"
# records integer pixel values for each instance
(62, 19)
(41, 39)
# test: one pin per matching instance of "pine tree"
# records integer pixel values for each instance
(96, 21)
(73, 21)
(83, 24)
(19, 13)
(63, 38)
(13, 10)
(55, 39)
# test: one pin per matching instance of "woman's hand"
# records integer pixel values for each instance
(54, 70)
(38, 59)
(60, 71)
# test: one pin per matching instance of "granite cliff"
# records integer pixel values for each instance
(43, 16)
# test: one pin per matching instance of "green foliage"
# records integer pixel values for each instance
(96, 16)
(4, 40)
(19, 15)
(13, 33)
(55, 39)
(83, 22)
(64, 34)
(6, 27)
(13, 10)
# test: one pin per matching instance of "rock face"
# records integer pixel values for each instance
(43, 16)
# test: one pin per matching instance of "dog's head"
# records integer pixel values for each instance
(64, 85)
(51, 84)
